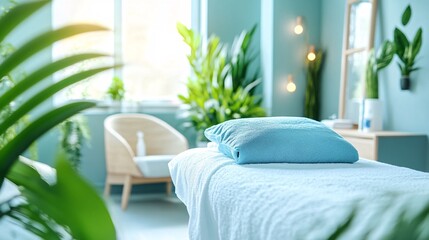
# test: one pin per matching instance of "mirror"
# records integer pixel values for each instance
(358, 39)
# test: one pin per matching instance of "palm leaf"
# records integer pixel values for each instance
(17, 15)
(41, 74)
(61, 200)
(51, 201)
(41, 42)
(44, 94)
(10, 152)
(45, 229)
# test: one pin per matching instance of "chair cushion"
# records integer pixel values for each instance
(154, 166)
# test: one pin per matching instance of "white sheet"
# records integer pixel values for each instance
(283, 201)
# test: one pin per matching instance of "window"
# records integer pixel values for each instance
(144, 39)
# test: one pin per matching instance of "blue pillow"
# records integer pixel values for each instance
(280, 140)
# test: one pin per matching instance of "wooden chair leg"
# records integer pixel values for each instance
(107, 188)
(126, 192)
(168, 188)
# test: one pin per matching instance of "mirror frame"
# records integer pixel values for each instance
(347, 51)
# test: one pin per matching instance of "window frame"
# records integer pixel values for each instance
(197, 11)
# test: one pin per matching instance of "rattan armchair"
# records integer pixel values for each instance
(120, 143)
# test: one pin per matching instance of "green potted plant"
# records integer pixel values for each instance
(116, 91)
(46, 210)
(220, 87)
(371, 113)
(375, 64)
(407, 50)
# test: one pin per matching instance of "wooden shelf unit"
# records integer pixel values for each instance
(398, 148)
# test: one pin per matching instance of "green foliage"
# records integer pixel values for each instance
(406, 50)
(219, 88)
(375, 64)
(45, 210)
(73, 133)
(59, 202)
(393, 217)
(6, 83)
(406, 16)
(116, 90)
(312, 91)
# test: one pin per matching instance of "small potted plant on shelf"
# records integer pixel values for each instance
(407, 50)
(371, 115)
(116, 92)
(375, 64)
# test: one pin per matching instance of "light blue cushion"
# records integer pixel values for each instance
(280, 140)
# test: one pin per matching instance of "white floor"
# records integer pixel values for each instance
(148, 217)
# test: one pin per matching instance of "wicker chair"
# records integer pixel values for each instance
(120, 143)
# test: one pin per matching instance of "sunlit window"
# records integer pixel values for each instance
(143, 37)
(153, 51)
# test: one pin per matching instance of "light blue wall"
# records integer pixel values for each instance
(289, 52)
(331, 41)
(403, 110)
(227, 19)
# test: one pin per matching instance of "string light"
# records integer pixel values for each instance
(298, 29)
(290, 87)
(311, 56)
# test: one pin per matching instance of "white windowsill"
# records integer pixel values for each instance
(164, 106)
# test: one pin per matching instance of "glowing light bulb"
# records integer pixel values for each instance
(291, 87)
(311, 56)
(298, 29)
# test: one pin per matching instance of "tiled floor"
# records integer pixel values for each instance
(150, 217)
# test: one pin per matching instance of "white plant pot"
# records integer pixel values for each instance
(372, 119)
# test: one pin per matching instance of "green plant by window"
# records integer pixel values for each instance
(73, 134)
(407, 50)
(116, 90)
(375, 64)
(220, 87)
(47, 210)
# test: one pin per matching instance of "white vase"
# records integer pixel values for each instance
(372, 119)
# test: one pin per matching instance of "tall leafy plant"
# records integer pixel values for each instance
(375, 64)
(312, 91)
(407, 50)
(220, 87)
(47, 210)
